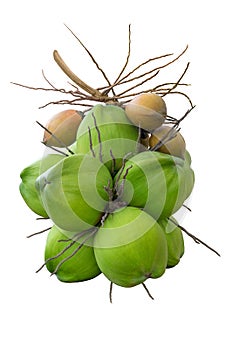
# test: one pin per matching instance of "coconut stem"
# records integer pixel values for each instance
(62, 144)
(41, 218)
(147, 290)
(74, 252)
(143, 284)
(72, 241)
(123, 94)
(121, 169)
(196, 239)
(39, 232)
(110, 292)
(76, 236)
(156, 70)
(114, 199)
(186, 207)
(99, 138)
(56, 256)
(91, 144)
(120, 189)
(109, 191)
(113, 161)
(178, 121)
(128, 56)
(55, 149)
(178, 81)
(170, 120)
(172, 132)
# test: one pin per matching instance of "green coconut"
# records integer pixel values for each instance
(73, 192)
(156, 182)
(130, 247)
(107, 132)
(175, 241)
(81, 266)
(189, 177)
(188, 159)
(27, 186)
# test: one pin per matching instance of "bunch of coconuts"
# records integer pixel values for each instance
(111, 184)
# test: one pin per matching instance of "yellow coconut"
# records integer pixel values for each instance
(175, 146)
(147, 110)
(63, 126)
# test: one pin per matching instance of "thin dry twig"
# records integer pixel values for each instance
(56, 256)
(76, 237)
(160, 86)
(36, 88)
(46, 79)
(172, 132)
(127, 58)
(75, 251)
(72, 241)
(99, 138)
(134, 70)
(196, 239)
(120, 188)
(76, 93)
(61, 143)
(120, 172)
(113, 161)
(123, 81)
(183, 94)
(39, 232)
(42, 218)
(90, 142)
(91, 56)
(68, 102)
(178, 81)
(186, 207)
(110, 292)
(55, 149)
(147, 290)
(122, 94)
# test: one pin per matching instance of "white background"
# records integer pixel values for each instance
(193, 302)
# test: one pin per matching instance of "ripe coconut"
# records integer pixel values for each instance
(175, 241)
(175, 146)
(63, 126)
(130, 247)
(107, 133)
(73, 192)
(147, 110)
(157, 182)
(27, 186)
(81, 266)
